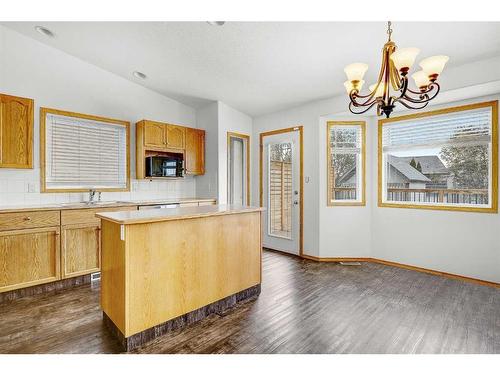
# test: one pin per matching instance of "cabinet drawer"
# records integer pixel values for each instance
(28, 219)
(87, 215)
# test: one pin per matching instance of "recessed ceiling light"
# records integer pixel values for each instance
(216, 23)
(44, 31)
(139, 75)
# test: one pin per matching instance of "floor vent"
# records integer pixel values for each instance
(350, 263)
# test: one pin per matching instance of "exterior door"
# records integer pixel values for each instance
(280, 193)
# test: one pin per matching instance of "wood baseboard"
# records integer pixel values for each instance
(405, 266)
(437, 273)
(335, 259)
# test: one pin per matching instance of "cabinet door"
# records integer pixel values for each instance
(154, 135)
(195, 151)
(80, 250)
(16, 132)
(28, 257)
(176, 136)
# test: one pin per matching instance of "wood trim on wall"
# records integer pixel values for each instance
(494, 157)
(299, 128)
(246, 138)
(329, 201)
(43, 115)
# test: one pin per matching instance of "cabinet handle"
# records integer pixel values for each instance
(27, 218)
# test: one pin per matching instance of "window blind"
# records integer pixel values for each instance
(84, 154)
(461, 128)
(345, 139)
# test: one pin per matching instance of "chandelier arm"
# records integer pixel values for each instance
(353, 95)
(424, 97)
(352, 105)
(396, 79)
(405, 103)
(430, 88)
(369, 101)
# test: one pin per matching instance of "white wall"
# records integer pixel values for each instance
(345, 231)
(463, 243)
(468, 244)
(208, 118)
(230, 120)
(57, 80)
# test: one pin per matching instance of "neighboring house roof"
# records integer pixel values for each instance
(406, 169)
(430, 164)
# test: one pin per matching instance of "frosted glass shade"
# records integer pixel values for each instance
(356, 71)
(434, 64)
(404, 57)
(380, 90)
(349, 86)
(421, 79)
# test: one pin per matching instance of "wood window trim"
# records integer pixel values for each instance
(43, 115)
(329, 200)
(494, 158)
(246, 138)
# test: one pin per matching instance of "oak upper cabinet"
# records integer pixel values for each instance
(195, 151)
(16, 132)
(81, 250)
(156, 138)
(155, 134)
(176, 136)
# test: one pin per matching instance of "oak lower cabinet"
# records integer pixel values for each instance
(81, 240)
(29, 257)
(80, 249)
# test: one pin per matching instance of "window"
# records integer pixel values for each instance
(82, 152)
(280, 189)
(346, 163)
(444, 159)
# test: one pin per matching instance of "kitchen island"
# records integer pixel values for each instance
(165, 268)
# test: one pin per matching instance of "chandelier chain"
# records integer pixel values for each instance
(389, 29)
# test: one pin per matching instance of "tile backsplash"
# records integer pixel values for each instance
(23, 187)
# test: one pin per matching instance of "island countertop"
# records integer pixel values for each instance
(168, 214)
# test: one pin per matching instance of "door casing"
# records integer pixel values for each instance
(300, 129)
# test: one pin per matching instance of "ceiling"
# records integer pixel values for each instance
(256, 67)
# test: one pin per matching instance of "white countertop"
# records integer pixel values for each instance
(103, 204)
(167, 214)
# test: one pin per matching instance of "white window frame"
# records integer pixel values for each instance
(492, 207)
(361, 183)
(44, 112)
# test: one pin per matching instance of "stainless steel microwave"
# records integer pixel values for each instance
(164, 166)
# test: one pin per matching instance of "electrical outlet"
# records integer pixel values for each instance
(31, 187)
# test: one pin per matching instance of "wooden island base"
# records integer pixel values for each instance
(218, 307)
(163, 269)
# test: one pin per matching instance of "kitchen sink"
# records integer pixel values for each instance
(91, 204)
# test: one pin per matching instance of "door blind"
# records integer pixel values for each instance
(461, 128)
(84, 154)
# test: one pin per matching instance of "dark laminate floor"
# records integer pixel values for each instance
(305, 307)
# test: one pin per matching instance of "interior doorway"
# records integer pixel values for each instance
(238, 168)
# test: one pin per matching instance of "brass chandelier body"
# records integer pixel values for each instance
(392, 86)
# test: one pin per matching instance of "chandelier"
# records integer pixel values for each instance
(392, 86)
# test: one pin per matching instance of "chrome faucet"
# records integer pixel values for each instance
(92, 195)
